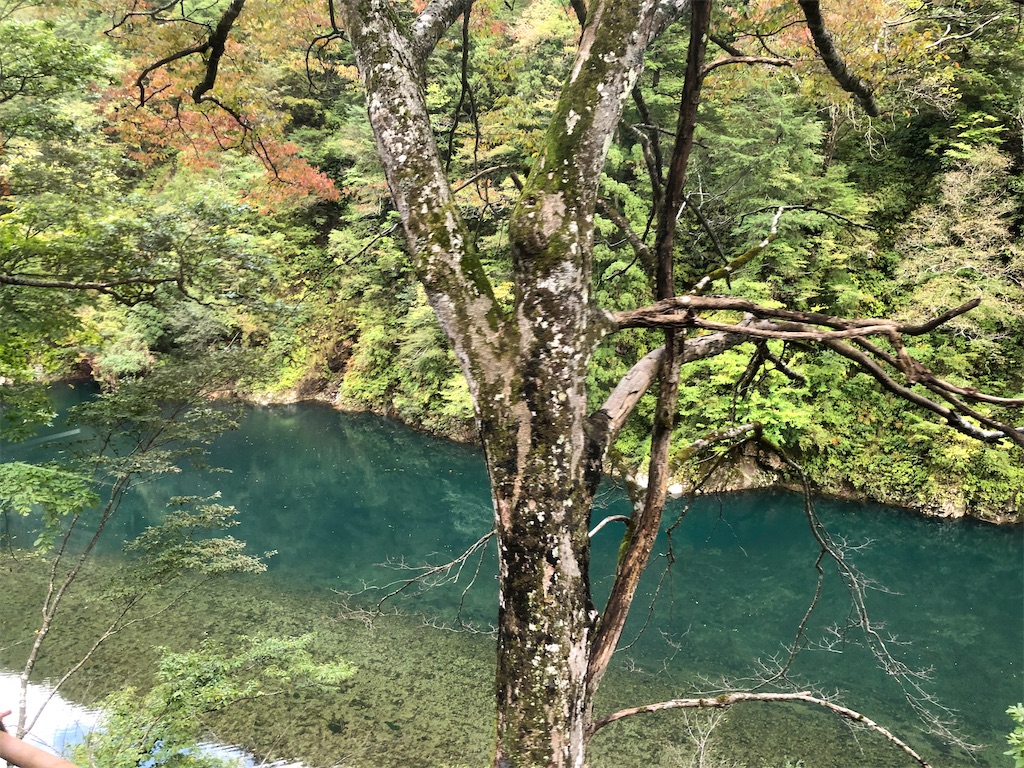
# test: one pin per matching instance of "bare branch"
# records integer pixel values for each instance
(771, 61)
(477, 176)
(216, 45)
(946, 37)
(787, 331)
(83, 285)
(680, 311)
(800, 326)
(651, 144)
(609, 519)
(952, 417)
(449, 571)
(811, 209)
(834, 61)
(728, 699)
(919, 374)
(465, 88)
(376, 238)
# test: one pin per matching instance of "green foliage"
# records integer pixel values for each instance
(163, 727)
(325, 292)
(58, 492)
(1016, 737)
(41, 71)
(181, 543)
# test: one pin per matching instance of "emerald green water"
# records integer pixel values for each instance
(346, 499)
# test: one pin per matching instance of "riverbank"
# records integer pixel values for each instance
(749, 469)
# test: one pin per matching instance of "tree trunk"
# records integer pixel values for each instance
(526, 371)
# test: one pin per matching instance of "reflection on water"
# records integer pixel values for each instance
(61, 723)
(350, 501)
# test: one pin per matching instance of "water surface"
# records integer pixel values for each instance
(351, 502)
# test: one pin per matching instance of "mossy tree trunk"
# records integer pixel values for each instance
(526, 370)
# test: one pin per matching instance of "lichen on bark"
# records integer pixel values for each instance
(527, 371)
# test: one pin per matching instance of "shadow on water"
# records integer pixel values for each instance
(350, 501)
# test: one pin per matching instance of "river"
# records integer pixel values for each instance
(351, 502)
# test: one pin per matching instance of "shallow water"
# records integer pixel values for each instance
(350, 502)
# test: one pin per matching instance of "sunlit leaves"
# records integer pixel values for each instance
(38, 70)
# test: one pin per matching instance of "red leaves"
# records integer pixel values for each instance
(158, 118)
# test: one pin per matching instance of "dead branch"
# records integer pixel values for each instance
(788, 331)
(946, 37)
(725, 45)
(728, 699)
(780, 365)
(481, 174)
(606, 521)
(680, 311)
(923, 375)
(911, 682)
(952, 416)
(449, 571)
(831, 332)
(728, 60)
(811, 209)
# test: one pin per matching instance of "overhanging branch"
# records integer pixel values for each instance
(729, 699)
(834, 61)
(833, 333)
(682, 311)
(108, 287)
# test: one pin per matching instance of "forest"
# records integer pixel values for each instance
(785, 252)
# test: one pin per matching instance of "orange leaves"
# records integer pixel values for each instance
(882, 42)
(155, 113)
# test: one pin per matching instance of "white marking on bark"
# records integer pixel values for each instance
(570, 121)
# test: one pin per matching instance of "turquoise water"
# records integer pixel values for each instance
(351, 501)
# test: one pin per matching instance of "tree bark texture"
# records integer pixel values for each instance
(527, 370)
